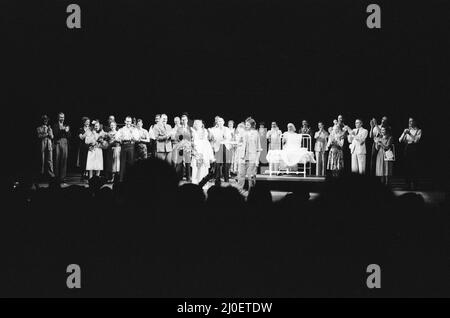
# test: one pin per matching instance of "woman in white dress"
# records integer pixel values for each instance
(203, 153)
(233, 148)
(274, 155)
(293, 153)
(240, 130)
(95, 141)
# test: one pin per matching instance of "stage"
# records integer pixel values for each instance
(280, 185)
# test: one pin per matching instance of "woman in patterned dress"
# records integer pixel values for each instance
(383, 144)
(335, 156)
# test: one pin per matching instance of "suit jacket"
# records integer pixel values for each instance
(321, 141)
(163, 137)
(60, 133)
(251, 147)
(357, 140)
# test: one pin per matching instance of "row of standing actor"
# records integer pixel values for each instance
(197, 153)
(201, 154)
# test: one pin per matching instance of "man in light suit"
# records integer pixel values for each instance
(163, 134)
(357, 139)
(220, 142)
(250, 155)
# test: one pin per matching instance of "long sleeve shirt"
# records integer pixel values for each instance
(412, 137)
(128, 134)
(251, 146)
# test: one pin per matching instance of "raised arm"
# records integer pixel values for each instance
(41, 133)
(403, 136)
(160, 135)
(151, 133)
(417, 137)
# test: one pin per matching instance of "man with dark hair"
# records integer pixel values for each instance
(152, 135)
(263, 139)
(411, 138)
(45, 135)
(127, 136)
(61, 135)
(182, 153)
(111, 119)
(164, 136)
(346, 147)
(144, 139)
(305, 129)
(190, 122)
(251, 151)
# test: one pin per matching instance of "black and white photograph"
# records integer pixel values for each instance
(199, 151)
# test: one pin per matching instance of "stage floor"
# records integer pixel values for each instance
(284, 184)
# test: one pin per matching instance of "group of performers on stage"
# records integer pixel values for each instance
(199, 154)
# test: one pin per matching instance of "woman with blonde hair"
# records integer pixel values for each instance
(202, 152)
(95, 140)
(336, 155)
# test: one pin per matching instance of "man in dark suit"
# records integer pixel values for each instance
(61, 135)
(182, 157)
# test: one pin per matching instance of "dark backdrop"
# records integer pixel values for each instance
(274, 60)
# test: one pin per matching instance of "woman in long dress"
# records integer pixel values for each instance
(263, 139)
(95, 141)
(335, 156)
(114, 146)
(293, 153)
(233, 148)
(291, 142)
(240, 130)
(383, 167)
(203, 153)
(83, 147)
(274, 155)
(321, 138)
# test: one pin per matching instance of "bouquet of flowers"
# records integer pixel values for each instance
(184, 146)
(199, 159)
(102, 141)
(181, 148)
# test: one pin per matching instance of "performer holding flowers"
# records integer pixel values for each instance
(336, 155)
(95, 140)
